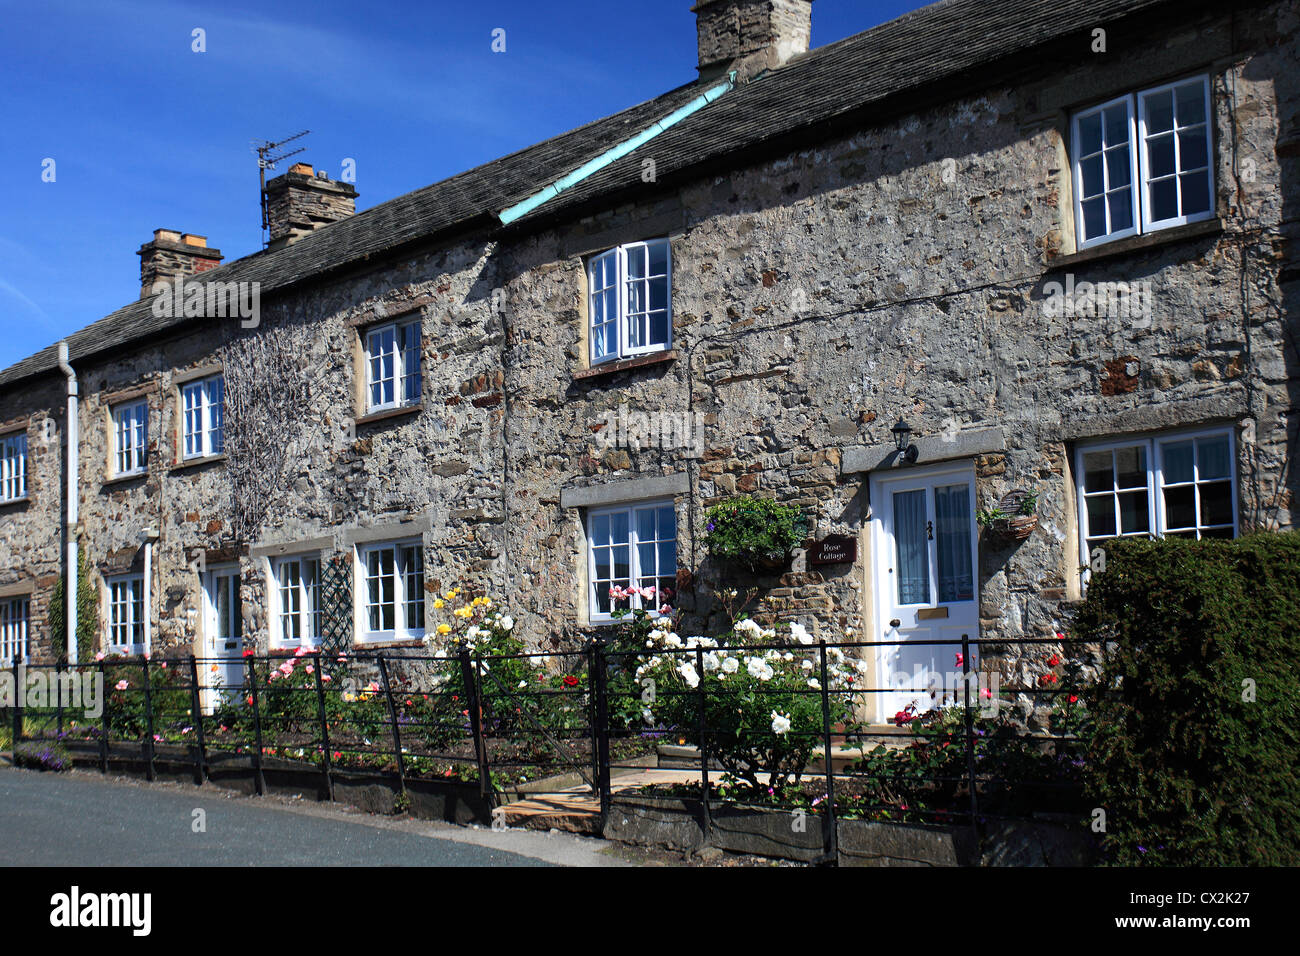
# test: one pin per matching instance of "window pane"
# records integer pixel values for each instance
(1192, 151)
(600, 529)
(1089, 134)
(645, 524)
(668, 557)
(910, 547)
(1094, 218)
(1121, 210)
(953, 543)
(1118, 168)
(667, 522)
(1131, 467)
(1213, 457)
(602, 557)
(1097, 473)
(1133, 513)
(1159, 111)
(1090, 171)
(1196, 192)
(658, 258)
(1160, 156)
(1191, 103)
(1216, 503)
(1163, 199)
(1178, 462)
(1117, 124)
(618, 527)
(646, 555)
(622, 565)
(1101, 516)
(1180, 507)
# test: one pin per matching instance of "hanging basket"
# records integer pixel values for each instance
(1014, 526)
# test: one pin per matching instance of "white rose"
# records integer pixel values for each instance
(730, 665)
(780, 723)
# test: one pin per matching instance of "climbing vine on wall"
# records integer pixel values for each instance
(268, 400)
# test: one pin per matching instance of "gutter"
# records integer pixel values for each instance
(615, 153)
(73, 496)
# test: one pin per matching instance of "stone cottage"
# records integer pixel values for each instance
(989, 251)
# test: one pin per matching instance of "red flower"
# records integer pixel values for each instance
(571, 681)
(1053, 661)
(1047, 679)
(1073, 699)
(248, 652)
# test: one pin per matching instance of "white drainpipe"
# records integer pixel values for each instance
(73, 495)
(150, 537)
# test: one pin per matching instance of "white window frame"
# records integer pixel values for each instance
(1135, 104)
(622, 349)
(130, 424)
(408, 591)
(635, 575)
(299, 589)
(403, 370)
(15, 628)
(13, 467)
(1157, 520)
(126, 613)
(203, 412)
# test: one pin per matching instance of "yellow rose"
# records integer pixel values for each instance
(438, 605)
(444, 629)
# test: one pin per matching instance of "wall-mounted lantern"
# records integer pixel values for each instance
(902, 441)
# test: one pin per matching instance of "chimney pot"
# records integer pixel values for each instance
(750, 36)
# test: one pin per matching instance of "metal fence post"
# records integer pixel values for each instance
(324, 731)
(397, 733)
(598, 678)
(58, 695)
(19, 692)
(704, 746)
(258, 779)
(970, 740)
(469, 677)
(148, 722)
(103, 719)
(196, 711)
(830, 829)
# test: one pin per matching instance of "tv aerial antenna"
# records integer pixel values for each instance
(267, 158)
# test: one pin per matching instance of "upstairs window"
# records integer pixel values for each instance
(131, 439)
(298, 601)
(393, 374)
(1142, 162)
(126, 614)
(14, 622)
(628, 301)
(393, 591)
(204, 417)
(13, 467)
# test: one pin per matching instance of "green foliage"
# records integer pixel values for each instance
(87, 613)
(1198, 712)
(753, 531)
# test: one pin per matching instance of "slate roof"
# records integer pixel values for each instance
(947, 40)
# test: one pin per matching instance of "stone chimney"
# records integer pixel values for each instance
(172, 255)
(750, 36)
(302, 201)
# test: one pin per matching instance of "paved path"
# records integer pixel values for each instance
(81, 819)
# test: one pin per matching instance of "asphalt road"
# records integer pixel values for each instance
(80, 819)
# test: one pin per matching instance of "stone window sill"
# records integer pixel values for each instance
(622, 365)
(390, 413)
(124, 479)
(1151, 240)
(189, 463)
(406, 642)
(16, 503)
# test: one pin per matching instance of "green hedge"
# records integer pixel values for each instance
(1189, 769)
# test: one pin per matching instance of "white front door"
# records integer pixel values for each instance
(925, 557)
(223, 635)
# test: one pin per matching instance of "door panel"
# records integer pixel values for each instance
(223, 636)
(925, 589)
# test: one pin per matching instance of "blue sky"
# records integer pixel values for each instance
(146, 133)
